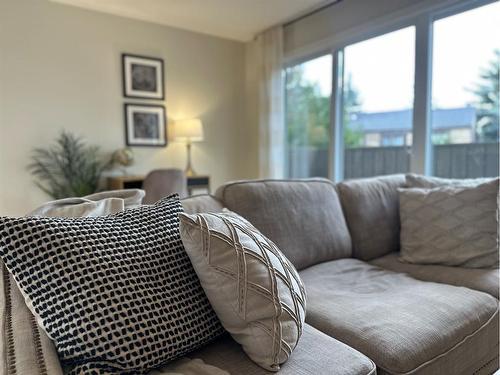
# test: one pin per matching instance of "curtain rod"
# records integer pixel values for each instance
(319, 9)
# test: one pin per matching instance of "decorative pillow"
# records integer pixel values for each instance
(255, 291)
(453, 226)
(117, 293)
(428, 182)
(25, 348)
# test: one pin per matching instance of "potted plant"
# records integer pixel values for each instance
(68, 168)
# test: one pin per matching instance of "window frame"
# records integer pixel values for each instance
(422, 19)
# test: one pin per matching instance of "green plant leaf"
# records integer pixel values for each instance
(68, 168)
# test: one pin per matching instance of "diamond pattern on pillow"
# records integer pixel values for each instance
(116, 293)
(453, 225)
(255, 290)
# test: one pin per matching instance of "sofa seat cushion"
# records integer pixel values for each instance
(302, 217)
(316, 354)
(404, 325)
(485, 280)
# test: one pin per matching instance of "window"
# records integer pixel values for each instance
(452, 95)
(377, 104)
(465, 76)
(308, 89)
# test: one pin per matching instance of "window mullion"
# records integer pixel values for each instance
(421, 154)
(336, 145)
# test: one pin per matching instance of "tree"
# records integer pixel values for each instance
(487, 94)
(307, 115)
(353, 134)
(308, 112)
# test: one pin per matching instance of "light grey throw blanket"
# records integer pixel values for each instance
(98, 204)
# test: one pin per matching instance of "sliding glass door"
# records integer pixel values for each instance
(308, 89)
(377, 104)
(371, 130)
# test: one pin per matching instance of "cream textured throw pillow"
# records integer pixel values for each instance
(428, 182)
(453, 226)
(255, 291)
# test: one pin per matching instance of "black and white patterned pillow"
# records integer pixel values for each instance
(116, 293)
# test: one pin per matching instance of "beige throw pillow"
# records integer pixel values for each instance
(453, 226)
(428, 182)
(255, 291)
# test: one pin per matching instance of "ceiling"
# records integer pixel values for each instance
(232, 19)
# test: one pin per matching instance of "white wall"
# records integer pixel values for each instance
(60, 68)
(252, 82)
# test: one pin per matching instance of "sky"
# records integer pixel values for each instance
(382, 68)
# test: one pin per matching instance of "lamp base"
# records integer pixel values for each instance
(189, 171)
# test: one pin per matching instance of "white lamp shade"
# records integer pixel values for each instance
(188, 130)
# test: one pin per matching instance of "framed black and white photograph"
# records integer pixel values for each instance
(142, 77)
(145, 125)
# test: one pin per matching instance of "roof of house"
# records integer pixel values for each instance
(402, 120)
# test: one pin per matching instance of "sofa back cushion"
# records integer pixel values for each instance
(371, 208)
(201, 204)
(302, 217)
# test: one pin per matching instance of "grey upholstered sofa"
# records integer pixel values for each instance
(344, 238)
(367, 312)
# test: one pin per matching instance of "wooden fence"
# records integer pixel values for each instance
(451, 161)
(375, 161)
(466, 161)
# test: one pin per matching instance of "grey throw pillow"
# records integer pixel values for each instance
(451, 225)
(255, 291)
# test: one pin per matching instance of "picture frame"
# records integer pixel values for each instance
(143, 77)
(145, 125)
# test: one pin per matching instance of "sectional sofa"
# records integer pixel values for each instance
(367, 312)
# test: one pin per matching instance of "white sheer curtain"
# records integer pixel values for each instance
(269, 54)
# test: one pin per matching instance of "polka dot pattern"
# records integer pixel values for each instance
(117, 293)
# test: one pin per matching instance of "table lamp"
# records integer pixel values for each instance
(188, 131)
